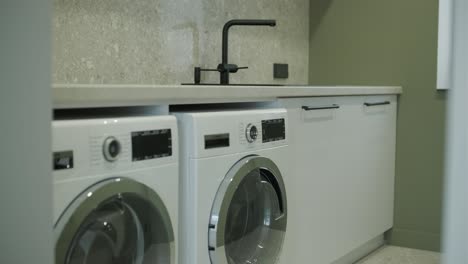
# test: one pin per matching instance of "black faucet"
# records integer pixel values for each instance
(225, 68)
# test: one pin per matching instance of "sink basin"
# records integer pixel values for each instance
(234, 84)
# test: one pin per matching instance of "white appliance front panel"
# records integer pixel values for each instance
(233, 123)
(163, 180)
(85, 138)
(198, 189)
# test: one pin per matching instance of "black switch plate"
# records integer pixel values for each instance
(280, 70)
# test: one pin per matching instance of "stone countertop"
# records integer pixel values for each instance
(97, 95)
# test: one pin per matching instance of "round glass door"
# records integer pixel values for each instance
(116, 221)
(249, 215)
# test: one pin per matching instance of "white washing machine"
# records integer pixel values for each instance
(233, 196)
(115, 190)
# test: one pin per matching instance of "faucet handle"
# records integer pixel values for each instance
(234, 70)
(231, 68)
(197, 74)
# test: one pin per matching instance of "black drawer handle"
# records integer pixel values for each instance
(307, 108)
(378, 103)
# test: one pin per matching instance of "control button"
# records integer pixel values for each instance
(251, 133)
(111, 149)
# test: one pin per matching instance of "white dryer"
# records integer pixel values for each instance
(115, 190)
(233, 196)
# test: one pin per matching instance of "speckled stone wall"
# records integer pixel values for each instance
(160, 41)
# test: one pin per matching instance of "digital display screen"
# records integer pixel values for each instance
(151, 144)
(273, 130)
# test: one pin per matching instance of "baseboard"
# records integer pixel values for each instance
(361, 251)
(414, 239)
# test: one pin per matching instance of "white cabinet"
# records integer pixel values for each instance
(344, 157)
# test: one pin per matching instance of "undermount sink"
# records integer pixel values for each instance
(233, 84)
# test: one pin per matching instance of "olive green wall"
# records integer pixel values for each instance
(382, 42)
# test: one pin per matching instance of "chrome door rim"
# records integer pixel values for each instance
(224, 197)
(73, 216)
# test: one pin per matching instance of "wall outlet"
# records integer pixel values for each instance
(280, 70)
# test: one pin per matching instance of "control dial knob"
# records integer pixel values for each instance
(251, 133)
(111, 149)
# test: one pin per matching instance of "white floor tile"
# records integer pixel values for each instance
(399, 255)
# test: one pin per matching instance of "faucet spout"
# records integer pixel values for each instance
(223, 67)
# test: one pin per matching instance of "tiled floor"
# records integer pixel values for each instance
(398, 255)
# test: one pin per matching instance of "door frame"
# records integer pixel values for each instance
(455, 226)
(26, 114)
(71, 219)
(224, 198)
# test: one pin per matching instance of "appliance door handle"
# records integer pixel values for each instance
(308, 108)
(377, 103)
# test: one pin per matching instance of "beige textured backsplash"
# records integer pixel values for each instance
(160, 41)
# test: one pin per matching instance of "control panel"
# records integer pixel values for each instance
(105, 144)
(263, 131)
(214, 133)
